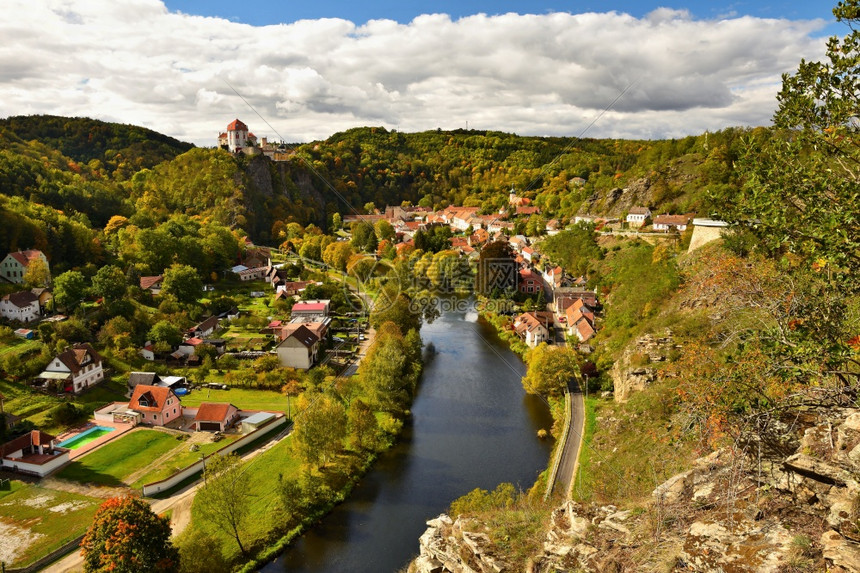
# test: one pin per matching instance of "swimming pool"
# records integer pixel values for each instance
(85, 437)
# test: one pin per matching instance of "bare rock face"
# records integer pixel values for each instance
(796, 508)
(636, 370)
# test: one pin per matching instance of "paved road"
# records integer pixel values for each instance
(570, 455)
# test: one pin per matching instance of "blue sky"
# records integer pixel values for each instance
(303, 71)
(264, 12)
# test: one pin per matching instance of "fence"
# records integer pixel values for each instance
(559, 450)
(183, 474)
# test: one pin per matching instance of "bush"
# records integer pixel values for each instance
(67, 414)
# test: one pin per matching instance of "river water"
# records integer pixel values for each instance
(472, 426)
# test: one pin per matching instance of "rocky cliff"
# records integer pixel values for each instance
(787, 502)
(638, 366)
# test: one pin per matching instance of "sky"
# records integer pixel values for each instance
(302, 71)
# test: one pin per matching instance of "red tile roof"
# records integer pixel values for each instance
(32, 438)
(237, 125)
(149, 282)
(213, 412)
(309, 306)
(24, 257)
(154, 396)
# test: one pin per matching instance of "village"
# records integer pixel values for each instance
(163, 409)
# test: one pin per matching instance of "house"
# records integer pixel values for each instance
(584, 330)
(205, 328)
(78, 367)
(311, 308)
(25, 333)
(33, 453)
(13, 267)
(637, 215)
(257, 257)
(529, 282)
(188, 347)
(45, 297)
(299, 349)
(294, 287)
(135, 379)
(156, 405)
(252, 274)
(152, 284)
(528, 211)
(215, 417)
(148, 351)
(573, 293)
(553, 227)
(671, 222)
(534, 327)
(554, 277)
(528, 254)
(518, 242)
(22, 306)
(318, 328)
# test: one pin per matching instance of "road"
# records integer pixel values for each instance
(570, 454)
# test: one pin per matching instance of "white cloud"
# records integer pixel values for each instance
(136, 62)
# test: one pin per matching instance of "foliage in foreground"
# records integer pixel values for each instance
(127, 537)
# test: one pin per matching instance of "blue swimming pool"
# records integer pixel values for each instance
(85, 437)
(181, 391)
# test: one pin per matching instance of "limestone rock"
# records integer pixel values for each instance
(841, 552)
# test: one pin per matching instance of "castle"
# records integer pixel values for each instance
(237, 137)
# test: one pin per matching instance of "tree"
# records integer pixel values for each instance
(801, 201)
(362, 424)
(384, 230)
(199, 552)
(337, 254)
(37, 274)
(165, 332)
(126, 536)
(550, 370)
(225, 498)
(290, 389)
(336, 222)
(109, 283)
(69, 289)
(183, 283)
(364, 236)
(320, 429)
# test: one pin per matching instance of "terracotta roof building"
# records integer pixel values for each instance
(157, 405)
(215, 416)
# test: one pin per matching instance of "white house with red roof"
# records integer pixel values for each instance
(534, 327)
(79, 367)
(237, 137)
(13, 267)
(311, 308)
(157, 405)
(215, 416)
(33, 453)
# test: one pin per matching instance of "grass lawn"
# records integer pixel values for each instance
(18, 346)
(181, 459)
(113, 462)
(263, 486)
(43, 519)
(93, 399)
(242, 398)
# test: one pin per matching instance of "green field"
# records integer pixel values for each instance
(116, 460)
(242, 398)
(265, 505)
(42, 519)
(181, 459)
(18, 346)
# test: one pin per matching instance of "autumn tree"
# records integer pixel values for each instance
(225, 499)
(320, 429)
(126, 536)
(166, 332)
(362, 425)
(37, 274)
(550, 370)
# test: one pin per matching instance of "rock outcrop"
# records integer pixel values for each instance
(791, 503)
(637, 367)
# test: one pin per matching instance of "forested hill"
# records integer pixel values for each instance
(564, 176)
(114, 146)
(62, 180)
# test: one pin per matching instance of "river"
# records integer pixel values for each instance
(472, 426)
